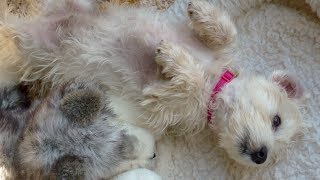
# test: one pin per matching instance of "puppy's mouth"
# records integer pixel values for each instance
(257, 155)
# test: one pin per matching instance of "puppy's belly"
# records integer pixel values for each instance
(135, 49)
(133, 53)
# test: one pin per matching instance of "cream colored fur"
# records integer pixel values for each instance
(167, 84)
(9, 58)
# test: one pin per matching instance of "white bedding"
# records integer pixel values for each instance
(271, 36)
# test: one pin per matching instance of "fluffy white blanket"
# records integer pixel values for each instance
(272, 35)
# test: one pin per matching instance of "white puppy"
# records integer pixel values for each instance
(164, 74)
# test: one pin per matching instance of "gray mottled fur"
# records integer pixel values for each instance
(92, 150)
(81, 106)
(69, 167)
(71, 134)
(15, 110)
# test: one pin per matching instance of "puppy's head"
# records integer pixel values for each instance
(259, 118)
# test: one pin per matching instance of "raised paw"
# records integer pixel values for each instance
(212, 25)
(196, 9)
(173, 59)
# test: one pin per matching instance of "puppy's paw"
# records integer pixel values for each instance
(198, 9)
(173, 59)
(212, 25)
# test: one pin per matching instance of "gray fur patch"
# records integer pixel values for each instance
(126, 148)
(82, 106)
(69, 167)
(74, 134)
(13, 105)
(15, 111)
(14, 98)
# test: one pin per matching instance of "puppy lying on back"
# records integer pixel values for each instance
(72, 134)
(161, 73)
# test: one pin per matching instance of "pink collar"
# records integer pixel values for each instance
(225, 78)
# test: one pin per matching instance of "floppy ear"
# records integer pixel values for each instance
(288, 83)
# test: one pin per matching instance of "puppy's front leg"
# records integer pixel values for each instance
(183, 83)
(212, 25)
(176, 62)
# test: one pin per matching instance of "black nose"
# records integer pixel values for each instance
(260, 155)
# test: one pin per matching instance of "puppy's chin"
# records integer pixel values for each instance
(245, 160)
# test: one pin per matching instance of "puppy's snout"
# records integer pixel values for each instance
(260, 155)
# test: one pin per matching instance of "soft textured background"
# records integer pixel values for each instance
(281, 34)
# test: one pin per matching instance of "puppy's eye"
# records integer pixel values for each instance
(276, 122)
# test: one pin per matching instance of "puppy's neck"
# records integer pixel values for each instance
(225, 77)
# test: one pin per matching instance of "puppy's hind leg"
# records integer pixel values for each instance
(213, 26)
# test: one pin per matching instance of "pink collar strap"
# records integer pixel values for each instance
(225, 78)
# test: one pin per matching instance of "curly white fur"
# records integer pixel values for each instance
(165, 85)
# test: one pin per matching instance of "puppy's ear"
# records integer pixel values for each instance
(288, 83)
